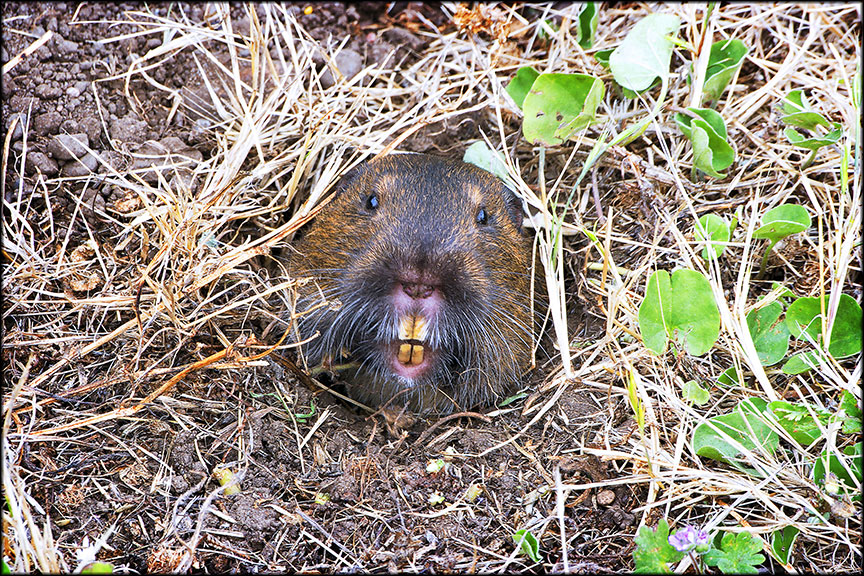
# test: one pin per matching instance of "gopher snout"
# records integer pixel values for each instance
(427, 259)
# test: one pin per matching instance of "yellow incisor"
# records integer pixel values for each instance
(412, 327)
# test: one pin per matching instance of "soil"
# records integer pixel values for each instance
(337, 490)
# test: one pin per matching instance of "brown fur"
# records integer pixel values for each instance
(426, 229)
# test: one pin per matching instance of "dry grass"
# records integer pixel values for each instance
(192, 263)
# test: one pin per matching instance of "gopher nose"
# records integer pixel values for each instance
(416, 290)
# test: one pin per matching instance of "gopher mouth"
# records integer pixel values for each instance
(410, 356)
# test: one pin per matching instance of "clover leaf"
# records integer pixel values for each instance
(714, 230)
(798, 114)
(682, 307)
(782, 541)
(490, 160)
(645, 53)
(770, 335)
(730, 377)
(706, 130)
(587, 27)
(521, 84)
(528, 544)
(746, 425)
(738, 554)
(653, 552)
(557, 105)
(804, 315)
(851, 413)
(695, 393)
(779, 222)
(723, 62)
(840, 478)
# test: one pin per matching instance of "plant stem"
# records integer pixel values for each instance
(765, 260)
(809, 160)
(697, 562)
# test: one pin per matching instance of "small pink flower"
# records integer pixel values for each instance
(688, 538)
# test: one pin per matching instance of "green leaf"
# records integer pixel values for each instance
(852, 413)
(548, 29)
(695, 393)
(804, 315)
(528, 544)
(798, 421)
(680, 307)
(558, 105)
(846, 482)
(783, 291)
(602, 56)
(800, 363)
(783, 221)
(98, 568)
(798, 112)
(815, 143)
(653, 552)
(710, 117)
(795, 101)
(744, 424)
(511, 399)
(5, 569)
(729, 377)
(711, 152)
(846, 331)
(635, 403)
(645, 53)
(716, 230)
(521, 83)
(806, 120)
(723, 62)
(492, 161)
(738, 554)
(782, 542)
(587, 25)
(770, 336)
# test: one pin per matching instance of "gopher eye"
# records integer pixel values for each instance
(372, 201)
(482, 216)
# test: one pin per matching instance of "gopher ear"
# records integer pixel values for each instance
(350, 177)
(514, 207)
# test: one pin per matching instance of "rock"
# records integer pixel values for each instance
(70, 126)
(402, 37)
(47, 123)
(82, 167)
(349, 64)
(115, 160)
(68, 146)
(38, 162)
(92, 126)
(19, 118)
(46, 90)
(128, 129)
(64, 46)
(173, 144)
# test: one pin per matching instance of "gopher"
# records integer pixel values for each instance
(421, 276)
